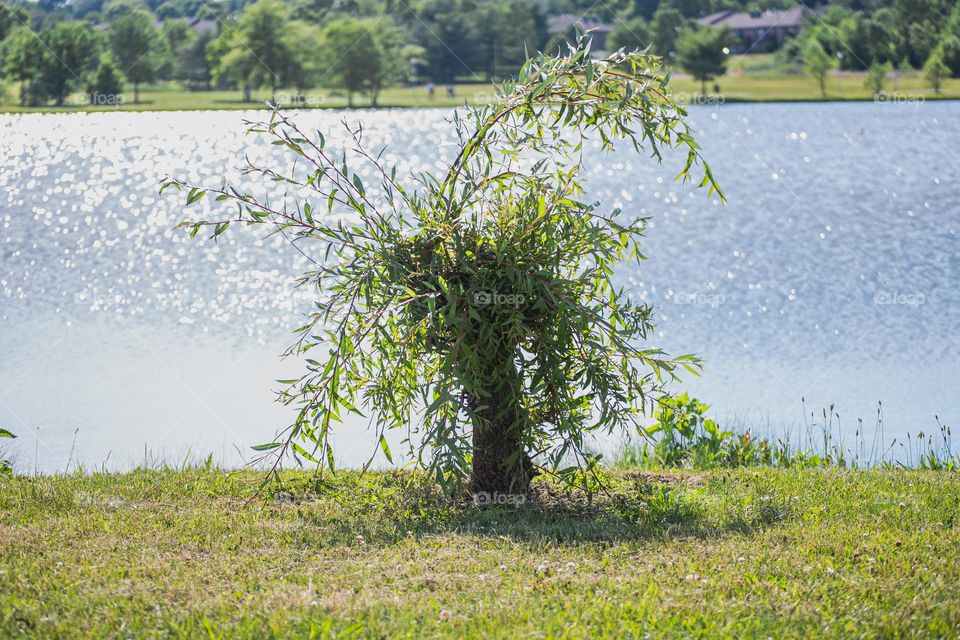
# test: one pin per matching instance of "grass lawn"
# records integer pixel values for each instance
(747, 553)
(171, 97)
(750, 78)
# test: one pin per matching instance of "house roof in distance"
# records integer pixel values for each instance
(792, 17)
(200, 25)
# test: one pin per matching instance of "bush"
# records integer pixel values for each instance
(877, 77)
(935, 70)
(6, 467)
(684, 434)
(478, 312)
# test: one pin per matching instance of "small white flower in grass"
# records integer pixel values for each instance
(360, 539)
(830, 570)
(571, 566)
(445, 615)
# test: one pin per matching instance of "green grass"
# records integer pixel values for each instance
(747, 553)
(170, 97)
(750, 78)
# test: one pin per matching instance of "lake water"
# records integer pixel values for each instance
(830, 276)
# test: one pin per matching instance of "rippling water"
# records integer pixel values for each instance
(830, 275)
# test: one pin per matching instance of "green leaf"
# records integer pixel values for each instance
(303, 453)
(267, 447)
(386, 449)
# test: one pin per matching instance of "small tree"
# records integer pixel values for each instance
(261, 50)
(935, 70)
(342, 70)
(193, 65)
(387, 64)
(67, 51)
(309, 69)
(949, 40)
(135, 40)
(504, 32)
(903, 70)
(449, 40)
(362, 55)
(703, 53)
(477, 312)
(818, 63)
(107, 83)
(19, 58)
(877, 77)
(667, 25)
(179, 36)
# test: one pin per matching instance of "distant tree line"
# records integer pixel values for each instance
(53, 49)
(899, 34)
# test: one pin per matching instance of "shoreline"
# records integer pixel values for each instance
(712, 101)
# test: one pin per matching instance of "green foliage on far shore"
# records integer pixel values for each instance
(277, 43)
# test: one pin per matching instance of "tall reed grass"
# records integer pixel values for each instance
(684, 437)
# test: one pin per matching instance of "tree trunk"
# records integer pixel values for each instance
(500, 463)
